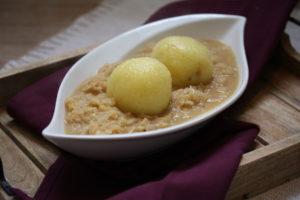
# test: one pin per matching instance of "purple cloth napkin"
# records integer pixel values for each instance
(199, 167)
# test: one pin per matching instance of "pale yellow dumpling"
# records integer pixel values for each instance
(187, 59)
(141, 86)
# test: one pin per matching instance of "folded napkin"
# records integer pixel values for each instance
(199, 167)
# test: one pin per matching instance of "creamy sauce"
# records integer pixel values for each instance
(90, 111)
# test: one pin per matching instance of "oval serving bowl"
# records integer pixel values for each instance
(226, 28)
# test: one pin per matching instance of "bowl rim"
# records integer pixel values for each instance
(178, 127)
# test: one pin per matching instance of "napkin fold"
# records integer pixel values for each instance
(201, 166)
(198, 167)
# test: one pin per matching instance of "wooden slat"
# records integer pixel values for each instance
(27, 74)
(274, 107)
(287, 86)
(276, 119)
(19, 170)
(257, 144)
(42, 152)
(266, 168)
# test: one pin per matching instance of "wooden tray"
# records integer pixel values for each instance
(273, 104)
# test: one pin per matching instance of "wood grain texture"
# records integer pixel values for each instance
(265, 168)
(27, 74)
(20, 171)
(37, 148)
(286, 86)
(24, 24)
(276, 119)
(273, 106)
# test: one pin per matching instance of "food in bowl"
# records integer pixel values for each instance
(141, 86)
(226, 28)
(188, 60)
(91, 111)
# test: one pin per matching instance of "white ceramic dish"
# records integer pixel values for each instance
(226, 28)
